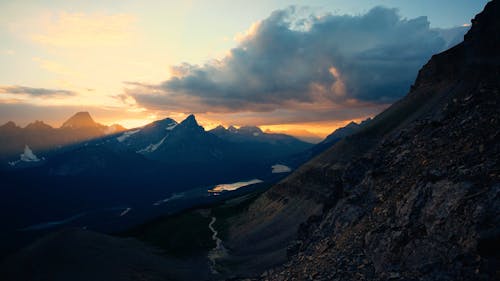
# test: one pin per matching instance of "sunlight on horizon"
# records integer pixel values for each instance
(125, 62)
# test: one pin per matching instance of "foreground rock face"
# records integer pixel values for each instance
(421, 201)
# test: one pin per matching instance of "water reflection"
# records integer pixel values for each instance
(233, 186)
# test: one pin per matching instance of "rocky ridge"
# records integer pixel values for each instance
(422, 202)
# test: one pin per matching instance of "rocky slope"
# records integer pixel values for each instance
(414, 195)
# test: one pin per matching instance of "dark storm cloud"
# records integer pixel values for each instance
(288, 59)
(35, 92)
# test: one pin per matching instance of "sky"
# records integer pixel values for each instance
(302, 67)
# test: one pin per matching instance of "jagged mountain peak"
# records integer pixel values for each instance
(190, 122)
(190, 118)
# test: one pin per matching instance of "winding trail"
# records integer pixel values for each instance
(219, 250)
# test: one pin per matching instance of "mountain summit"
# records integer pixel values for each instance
(80, 120)
(190, 122)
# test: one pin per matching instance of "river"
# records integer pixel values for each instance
(219, 250)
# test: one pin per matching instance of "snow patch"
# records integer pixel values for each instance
(125, 212)
(175, 196)
(278, 168)
(26, 156)
(171, 127)
(152, 147)
(126, 135)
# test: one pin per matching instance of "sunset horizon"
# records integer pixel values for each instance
(110, 62)
(310, 131)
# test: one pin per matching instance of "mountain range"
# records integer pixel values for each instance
(40, 136)
(163, 140)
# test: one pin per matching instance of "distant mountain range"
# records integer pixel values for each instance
(162, 140)
(187, 142)
(40, 136)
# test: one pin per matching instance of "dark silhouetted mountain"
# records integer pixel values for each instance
(337, 135)
(412, 195)
(188, 142)
(345, 131)
(263, 144)
(146, 138)
(191, 123)
(253, 134)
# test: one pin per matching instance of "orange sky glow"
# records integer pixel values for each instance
(132, 63)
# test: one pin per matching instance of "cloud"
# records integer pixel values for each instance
(34, 92)
(65, 29)
(290, 61)
(454, 35)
